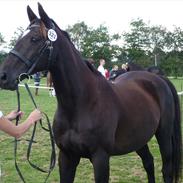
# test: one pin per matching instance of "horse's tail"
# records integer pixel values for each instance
(177, 135)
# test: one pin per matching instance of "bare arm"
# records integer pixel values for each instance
(17, 131)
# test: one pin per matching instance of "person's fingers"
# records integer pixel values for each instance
(20, 112)
(38, 110)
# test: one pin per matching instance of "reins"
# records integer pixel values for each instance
(49, 129)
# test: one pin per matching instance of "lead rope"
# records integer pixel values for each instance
(16, 144)
(53, 154)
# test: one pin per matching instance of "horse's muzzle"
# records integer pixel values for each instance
(6, 82)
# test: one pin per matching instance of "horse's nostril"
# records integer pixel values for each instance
(3, 76)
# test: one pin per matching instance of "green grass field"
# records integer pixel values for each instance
(123, 169)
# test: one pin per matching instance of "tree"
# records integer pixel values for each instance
(2, 53)
(146, 41)
(174, 43)
(2, 56)
(138, 36)
(78, 32)
(15, 37)
(157, 41)
(1, 39)
(174, 40)
(136, 43)
(94, 43)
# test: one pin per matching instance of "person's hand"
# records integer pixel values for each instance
(34, 116)
(13, 114)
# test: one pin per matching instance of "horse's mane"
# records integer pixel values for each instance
(91, 67)
(64, 32)
(88, 64)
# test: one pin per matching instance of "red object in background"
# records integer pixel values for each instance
(107, 74)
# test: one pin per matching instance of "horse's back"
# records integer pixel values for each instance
(148, 84)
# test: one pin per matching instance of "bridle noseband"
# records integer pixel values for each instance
(31, 63)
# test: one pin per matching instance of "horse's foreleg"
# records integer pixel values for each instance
(100, 161)
(67, 166)
(148, 162)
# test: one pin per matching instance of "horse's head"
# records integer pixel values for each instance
(32, 52)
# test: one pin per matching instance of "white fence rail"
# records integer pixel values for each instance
(48, 88)
(40, 87)
(180, 93)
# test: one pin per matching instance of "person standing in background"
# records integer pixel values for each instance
(37, 79)
(101, 68)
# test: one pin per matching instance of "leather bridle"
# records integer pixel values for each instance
(31, 63)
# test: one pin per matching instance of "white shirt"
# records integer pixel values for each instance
(1, 114)
(101, 70)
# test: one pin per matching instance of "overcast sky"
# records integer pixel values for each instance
(115, 14)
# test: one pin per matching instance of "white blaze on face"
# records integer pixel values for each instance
(25, 33)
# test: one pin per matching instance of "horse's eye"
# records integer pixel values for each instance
(34, 39)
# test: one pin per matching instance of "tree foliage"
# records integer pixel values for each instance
(144, 44)
(2, 53)
(1, 39)
(94, 43)
(2, 56)
(154, 45)
(16, 36)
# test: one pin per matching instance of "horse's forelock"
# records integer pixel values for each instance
(38, 22)
(43, 29)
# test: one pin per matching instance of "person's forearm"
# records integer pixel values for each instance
(8, 118)
(22, 128)
(15, 131)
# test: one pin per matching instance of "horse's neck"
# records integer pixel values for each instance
(71, 79)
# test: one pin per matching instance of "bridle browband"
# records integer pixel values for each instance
(31, 63)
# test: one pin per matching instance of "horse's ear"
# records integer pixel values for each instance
(31, 14)
(44, 17)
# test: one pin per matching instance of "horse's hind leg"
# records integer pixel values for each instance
(165, 145)
(148, 162)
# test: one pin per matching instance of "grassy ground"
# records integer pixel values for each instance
(123, 169)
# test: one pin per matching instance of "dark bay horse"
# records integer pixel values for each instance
(96, 119)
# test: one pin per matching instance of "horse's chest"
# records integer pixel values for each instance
(75, 142)
(81, 136)
(70, 139)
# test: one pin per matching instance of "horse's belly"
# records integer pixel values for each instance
(134, 143)
(134, 134)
